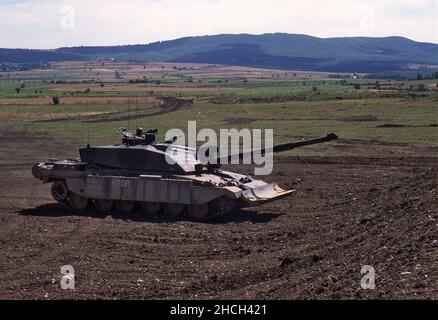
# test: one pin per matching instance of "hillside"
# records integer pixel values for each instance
(288, 51)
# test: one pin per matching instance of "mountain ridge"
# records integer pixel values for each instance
(269, 50)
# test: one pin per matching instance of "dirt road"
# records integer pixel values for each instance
(347, 212)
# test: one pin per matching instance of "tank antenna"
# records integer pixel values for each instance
(136, 112)
(88, 124)
(129, 108)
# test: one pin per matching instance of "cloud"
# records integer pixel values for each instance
(51, 23)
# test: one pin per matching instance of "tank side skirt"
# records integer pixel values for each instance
(141, 189)
(156, 189)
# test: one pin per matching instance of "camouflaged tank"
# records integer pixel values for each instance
(135, 175)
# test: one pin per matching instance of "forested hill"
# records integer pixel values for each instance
(279, 50)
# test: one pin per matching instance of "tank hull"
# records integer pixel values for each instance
(220, 191)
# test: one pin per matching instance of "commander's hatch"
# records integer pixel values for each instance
(130, 140)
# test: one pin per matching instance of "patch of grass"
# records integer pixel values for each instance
(290, 121)
(293, 108)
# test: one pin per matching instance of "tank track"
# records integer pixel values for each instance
(77, 203)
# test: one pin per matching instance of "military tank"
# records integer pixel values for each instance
(136, 175)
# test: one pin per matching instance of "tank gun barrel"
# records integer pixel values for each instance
(292, 145)
(280, 147)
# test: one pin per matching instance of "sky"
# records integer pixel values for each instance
(45, 24)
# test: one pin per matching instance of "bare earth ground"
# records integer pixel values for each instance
(347, 212)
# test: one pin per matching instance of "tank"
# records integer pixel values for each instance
(135, 175)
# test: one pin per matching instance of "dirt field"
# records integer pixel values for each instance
(105, 71)
(347, 212)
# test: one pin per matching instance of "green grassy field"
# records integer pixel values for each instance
(396, 113)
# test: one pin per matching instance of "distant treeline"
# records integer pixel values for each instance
(13, 67)
(403, 77)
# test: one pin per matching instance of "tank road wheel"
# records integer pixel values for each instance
(151, 207)
(174, 210)
(77, 202)
(198, 211)
(125, 206)
(103, 205)
(59, 191)
(223, 205)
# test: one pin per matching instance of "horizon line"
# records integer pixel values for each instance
(219, 34)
